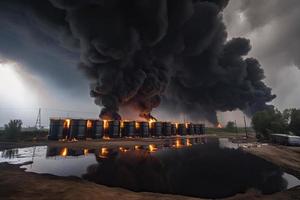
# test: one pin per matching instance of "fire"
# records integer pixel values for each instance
(137, 147)
(151, 121)
(103, 152)
(219, 125)
(85, 152)
(67, 123)
(137, 125)
(89, 124)
(64, 152)
(188, 142)
(152, 148)
(186, 125)
(122, 124)
(105, 124)
(177, 144)
(176, 125)
(123, 149)
(106, 138)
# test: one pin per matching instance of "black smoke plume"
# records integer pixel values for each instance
(146, 53)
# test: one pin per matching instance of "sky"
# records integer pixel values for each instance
(36, 71)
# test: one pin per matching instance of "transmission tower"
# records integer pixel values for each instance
(38, 123)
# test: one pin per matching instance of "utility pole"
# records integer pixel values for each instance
(38, 123)
(245, 127)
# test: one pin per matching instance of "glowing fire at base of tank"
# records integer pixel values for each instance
(188, 142)
(123, 149)
(85, 152)
(177, 144)
(106, 138)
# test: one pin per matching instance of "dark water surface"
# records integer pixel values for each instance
(200, 167)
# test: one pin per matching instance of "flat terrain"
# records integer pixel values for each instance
(17, 184)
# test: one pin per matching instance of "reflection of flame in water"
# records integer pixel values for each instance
(177, 144)
(188, 142)
(85, 152)
(89, 124)
(67, 123)
(137, 147)
(123, 149)
(152, 148)
(103, 152)
(64, 152)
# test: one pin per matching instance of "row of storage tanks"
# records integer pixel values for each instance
(96, 129)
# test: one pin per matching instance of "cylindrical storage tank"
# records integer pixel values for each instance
(166, 128)
(181, 129)
(114, 129)
(66, 133)
(156, 128)
(197, 129)
(202, 129)
(98, 129)
(78, 128)
(173, 129)
(90, 128)
(143, 130)
(190, 129)
(128, 129)
(56, 129)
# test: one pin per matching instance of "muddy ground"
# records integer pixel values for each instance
(17, 184)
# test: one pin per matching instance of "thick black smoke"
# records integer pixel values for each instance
(141, 53)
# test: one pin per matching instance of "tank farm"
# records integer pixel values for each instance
(81, 129)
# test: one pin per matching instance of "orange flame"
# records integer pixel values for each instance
(137, 125)
(103, 152)
(67, 123)
(177, 144)
(123, 149)
(219, 125)
(89, 124)
(188, 142)
(105, 124)
(122, 124)
(106, 138)
(85, 152)
(64, 152)
(176, 125)
(137, 147)
(152, 148)
(150, 122)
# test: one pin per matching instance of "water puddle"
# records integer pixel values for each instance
(201, 167)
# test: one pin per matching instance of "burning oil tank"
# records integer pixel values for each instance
(156, 128)
(166, 128)
(113, 129)
(98, 129)
(143, 129)
(182, 129)
(78, 128)
(173, 129)
(190, 129)
(128, 128)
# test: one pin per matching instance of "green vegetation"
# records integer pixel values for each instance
(13, 132)
(273, 121)
(231, 127)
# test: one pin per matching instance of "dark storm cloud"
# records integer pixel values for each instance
(282, 19)
(140, 53)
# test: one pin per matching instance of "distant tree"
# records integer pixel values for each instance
(13, 129)
(230, 126)
(269, 121)
(294, 125)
